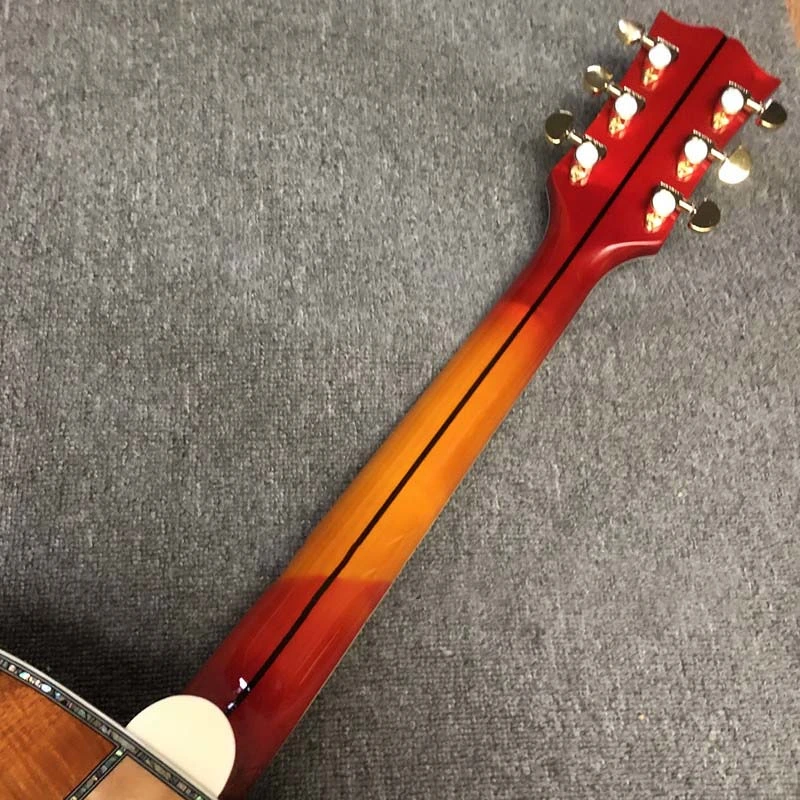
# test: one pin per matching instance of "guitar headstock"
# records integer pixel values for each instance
(674, 112)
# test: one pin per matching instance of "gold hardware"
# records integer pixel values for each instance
(771, 115)
(597, 79)
(734, 168)
(660, 53)
(720, 120)
(558, 128)
(631, 32)
(666, 200)
(705, 217)
(627, 104)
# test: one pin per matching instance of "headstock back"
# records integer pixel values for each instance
(686, 94)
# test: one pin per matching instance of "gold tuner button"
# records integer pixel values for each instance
(597, 80)
(665, 201)
(703, 218)
(770, 115)
(560, 127)
(632, 32)
(734, 168)
(659, 56)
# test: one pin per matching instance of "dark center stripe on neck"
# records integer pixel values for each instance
(367, 530)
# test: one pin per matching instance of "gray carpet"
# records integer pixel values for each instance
(237, 242)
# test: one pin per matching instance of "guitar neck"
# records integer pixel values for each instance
(271, 666)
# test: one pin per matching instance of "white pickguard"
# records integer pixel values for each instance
(191, 733)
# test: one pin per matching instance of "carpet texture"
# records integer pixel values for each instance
(237, 241)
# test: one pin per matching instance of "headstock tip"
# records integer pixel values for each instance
(674, 112)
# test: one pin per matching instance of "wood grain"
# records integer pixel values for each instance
(44, 751)
(793, 7)
(130, 781)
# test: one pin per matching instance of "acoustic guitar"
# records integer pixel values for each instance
(615, 195)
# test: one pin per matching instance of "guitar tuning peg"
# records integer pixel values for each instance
(666, 200)
(769, 115)
(560, 127)
(660, 53)
(734, 168)
(631, 32)
(597, 79)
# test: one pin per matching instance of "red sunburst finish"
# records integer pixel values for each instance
(286, 646)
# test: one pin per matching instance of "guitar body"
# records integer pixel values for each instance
(55, 746)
